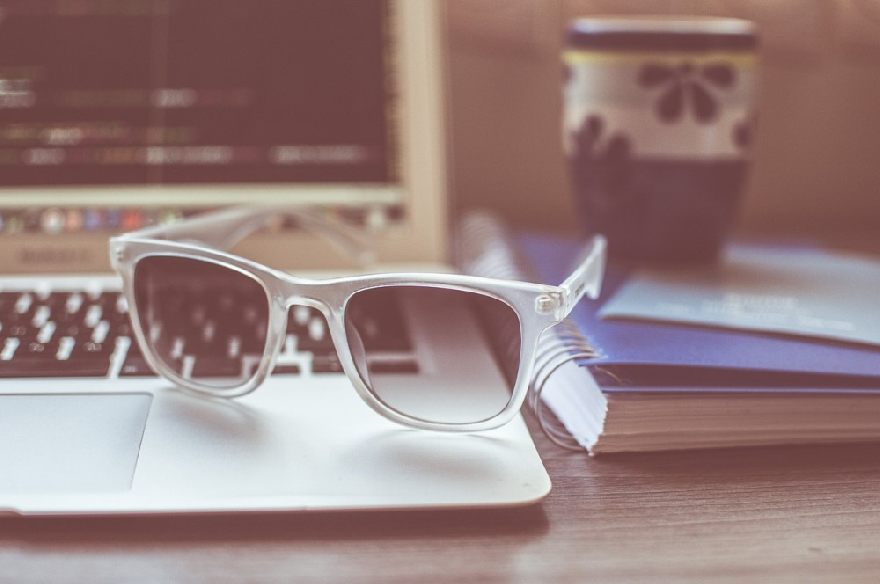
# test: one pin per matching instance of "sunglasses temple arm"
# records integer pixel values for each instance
(586, 279)
(223, 229)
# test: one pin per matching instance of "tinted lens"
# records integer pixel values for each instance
(434, 354)
(206, 322)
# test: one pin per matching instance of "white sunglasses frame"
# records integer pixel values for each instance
(203, 238)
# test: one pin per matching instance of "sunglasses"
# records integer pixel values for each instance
(442, 352)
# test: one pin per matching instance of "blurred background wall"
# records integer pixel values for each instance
(817, 151)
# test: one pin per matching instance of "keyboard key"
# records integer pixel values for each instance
(99, 334)
(46, 332)
(73, 303)
(23, 303)
(93, 315)
(65, 348)
(10, 346)
(41, 315)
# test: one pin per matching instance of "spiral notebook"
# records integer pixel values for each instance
(635, 384)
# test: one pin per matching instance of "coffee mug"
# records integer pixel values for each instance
(658, 123)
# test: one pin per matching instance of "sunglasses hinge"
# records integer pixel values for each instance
(117, 256)
(548, 303)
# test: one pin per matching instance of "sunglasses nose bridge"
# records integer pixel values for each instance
(297, 294)
(315, 303)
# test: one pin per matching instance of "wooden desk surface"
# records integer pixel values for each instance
(777, 515)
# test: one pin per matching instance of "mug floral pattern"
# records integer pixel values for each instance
(687, 86)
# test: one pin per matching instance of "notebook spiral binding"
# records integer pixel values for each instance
(484, 248)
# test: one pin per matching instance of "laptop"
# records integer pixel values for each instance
(115, 116)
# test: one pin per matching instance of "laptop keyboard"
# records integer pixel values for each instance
(88, 334)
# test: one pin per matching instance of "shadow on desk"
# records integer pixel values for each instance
(285, 526)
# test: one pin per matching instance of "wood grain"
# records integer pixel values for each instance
(806, 514)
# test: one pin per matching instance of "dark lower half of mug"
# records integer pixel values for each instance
(676, 211)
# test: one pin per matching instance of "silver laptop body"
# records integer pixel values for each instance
(103, 435)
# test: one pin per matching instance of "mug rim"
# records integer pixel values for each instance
(663, 24)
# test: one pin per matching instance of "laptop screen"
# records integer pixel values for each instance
(168, 92)
(115, 114)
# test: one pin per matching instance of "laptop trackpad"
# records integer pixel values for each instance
(71, 442)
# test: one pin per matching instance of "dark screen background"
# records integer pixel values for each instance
(190, 91)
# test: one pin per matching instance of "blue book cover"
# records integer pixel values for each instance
(641, 352)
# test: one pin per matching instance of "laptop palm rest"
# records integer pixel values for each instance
(53, 443)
